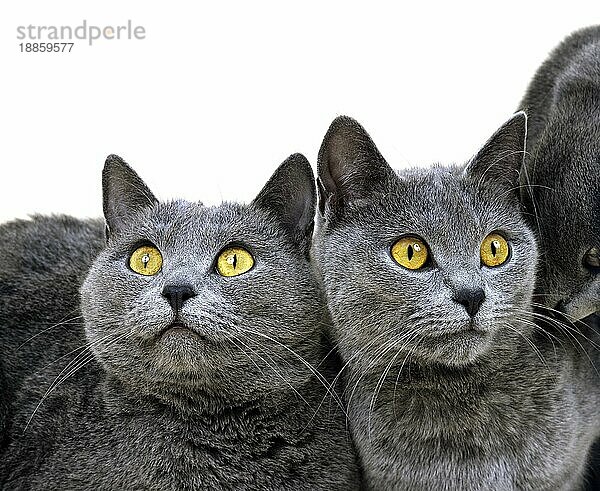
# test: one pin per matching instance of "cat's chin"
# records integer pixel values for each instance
(180, 348)
(456, 348)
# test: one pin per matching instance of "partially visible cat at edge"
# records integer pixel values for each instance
(561, 184)
(195, 369)
(561, 178)
(429, 276)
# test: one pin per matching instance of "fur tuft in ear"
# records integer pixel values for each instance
(124, 194)
(290, 196)
(500, 160)
(349, 164)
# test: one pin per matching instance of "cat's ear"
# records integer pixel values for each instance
(124, 194)
(290, 195)
(500, 160)
(349, 165)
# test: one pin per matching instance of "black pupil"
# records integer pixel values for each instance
(410, 252)
(234, 261)
(494, 250)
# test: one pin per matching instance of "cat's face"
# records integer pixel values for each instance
(452, 308)
(214, 298)
(565, 187)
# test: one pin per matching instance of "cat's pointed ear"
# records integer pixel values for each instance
(349, 165)
(500, 160)
(124, 194)
(290, 195)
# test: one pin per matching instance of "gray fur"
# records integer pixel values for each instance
(435, 402)
(561, 179)
(237, 405)
(44, 262)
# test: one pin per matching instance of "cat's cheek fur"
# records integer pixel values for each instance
(585, 302)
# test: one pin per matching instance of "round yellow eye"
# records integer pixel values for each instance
(410, 252)
(234, 261)
(146, 260)
(494, 250)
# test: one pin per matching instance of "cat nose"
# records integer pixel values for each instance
(177, 295)
(470, 299)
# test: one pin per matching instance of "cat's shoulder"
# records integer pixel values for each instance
(575, 41)
(574, 64)
(43, 244)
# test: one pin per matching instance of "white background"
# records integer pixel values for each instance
(219, 93)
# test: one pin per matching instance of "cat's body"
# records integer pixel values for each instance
(224, 395)
(93, 433)
(449, 383)
(44, 262)
(561, 178)
(477, 429)
(4, 407)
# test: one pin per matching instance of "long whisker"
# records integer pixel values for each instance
(317, 374)
(568, 327)
(388, 346)
(60, 323)
(381, 380)
(72, 367)
(277, 372)
(530, 343)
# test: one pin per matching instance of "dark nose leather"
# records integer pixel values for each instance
(177, 295)
(470, 299)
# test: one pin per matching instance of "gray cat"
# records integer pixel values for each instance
(203, 325)
(561, 182)
(429, 276)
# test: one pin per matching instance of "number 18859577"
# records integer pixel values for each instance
(46, 47)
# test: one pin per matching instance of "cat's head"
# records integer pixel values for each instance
(436, 262)
(218, 299)
(561, 191)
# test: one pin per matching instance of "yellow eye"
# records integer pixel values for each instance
(410, 252)
(494, 250)
(234, 261)
(146, 260)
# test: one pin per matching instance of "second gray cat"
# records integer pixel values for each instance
(561, 185)
(429, 275)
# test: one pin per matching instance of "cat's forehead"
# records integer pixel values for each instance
(447, 192)
(433, 184)
(444, 206)
(183, 224)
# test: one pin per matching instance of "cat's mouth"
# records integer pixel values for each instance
(177, 329)
(470, 327)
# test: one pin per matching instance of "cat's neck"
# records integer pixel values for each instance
(188, 404)
(408, 374)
